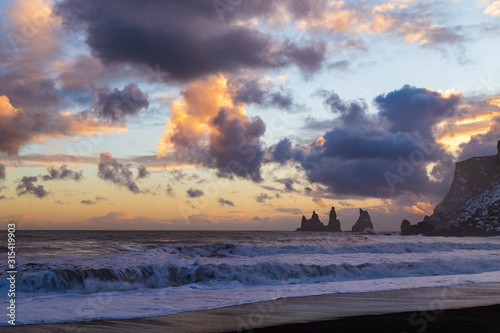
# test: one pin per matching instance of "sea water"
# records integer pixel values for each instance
(66, 276)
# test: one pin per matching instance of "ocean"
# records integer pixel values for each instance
(67, 276)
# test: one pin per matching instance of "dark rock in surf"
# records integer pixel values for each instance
(333, 222)
(364, 222)
(405, 225)
(314, 224)
(418, 229)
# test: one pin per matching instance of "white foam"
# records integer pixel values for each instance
(57, 308)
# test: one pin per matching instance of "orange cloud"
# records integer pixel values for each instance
(492, 8)
(336, 17)
(33, 28)
(423, 208)
(475, 119)
(319, 201)
(190, 121)
(208, 128)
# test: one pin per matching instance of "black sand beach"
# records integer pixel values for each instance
(409, 310)
(482, 319)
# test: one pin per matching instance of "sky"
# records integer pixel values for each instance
(240, 114)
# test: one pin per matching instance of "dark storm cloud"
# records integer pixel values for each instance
(283, 152)
(266, 95)
(63, 173)
(27, 187)
(112, 170)
(2, 172)
(185, 39)
(412, 109)
(235, 145)
(223, 202)
(116, 105)
(194, 193)
(386, 155)
(142, 172)
(289, 185)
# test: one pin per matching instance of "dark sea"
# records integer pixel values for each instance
(66, 276)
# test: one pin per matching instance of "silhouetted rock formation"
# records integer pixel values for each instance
(405, 225)
(472, 206)
(417, 229)
(364, 222)
(314, 224)
(333, 222)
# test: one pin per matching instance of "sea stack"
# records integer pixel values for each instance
(405, 225)
(333, 222)
(313, 224)
(421, 228)
(364, 222)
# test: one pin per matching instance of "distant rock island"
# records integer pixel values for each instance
(472, 205)
(314, 224)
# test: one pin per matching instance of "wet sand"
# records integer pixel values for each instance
(407, 310)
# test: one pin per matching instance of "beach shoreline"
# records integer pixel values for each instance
(421, 305)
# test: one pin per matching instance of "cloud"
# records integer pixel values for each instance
(223, 202)
(388, 154)
(412, 109)
(116, 105)
(283, 152)
(2, 172)
(294, 211)
(319, 201)
(484, 144)
(27, 187)
(113, 170)
(235, 145)
(266, 95)
(19, 127)
(203, 44)
(262, 197)
(33, 108)
(63, 173)
(87, 202)
(338, 17)
(194, 193)
(93, 202)
(351, 112)
(207, 128)
(142, 172)
(492, 7)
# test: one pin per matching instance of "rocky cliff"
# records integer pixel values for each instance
(472, 206)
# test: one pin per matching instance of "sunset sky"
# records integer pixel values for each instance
(240, 114)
